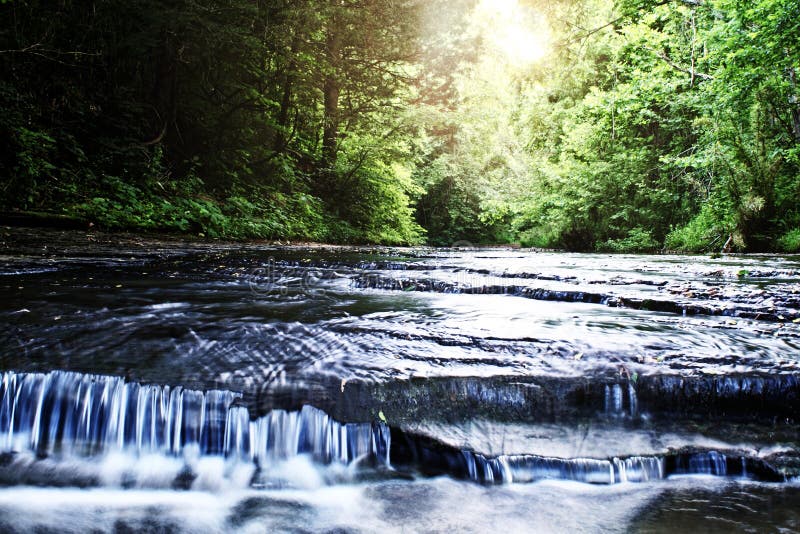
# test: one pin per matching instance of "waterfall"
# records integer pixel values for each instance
(134, 434)
(614, 401)
(70, 414)
(522, 468)
(528, 468)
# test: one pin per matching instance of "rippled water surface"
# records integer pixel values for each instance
(442, 505)
(505, 377)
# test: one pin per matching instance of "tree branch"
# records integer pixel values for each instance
(589, 33)
(666, 59)
(36, 49)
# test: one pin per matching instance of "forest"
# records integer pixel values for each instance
(626, 126)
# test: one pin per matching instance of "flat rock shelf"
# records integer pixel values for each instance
(166, 385)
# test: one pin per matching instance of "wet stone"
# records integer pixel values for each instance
(143, 363)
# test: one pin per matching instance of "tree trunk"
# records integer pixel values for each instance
(165, 88)
(794, 101)
(330, 128)
(281, 138)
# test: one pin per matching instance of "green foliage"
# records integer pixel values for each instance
(683, 130)
(637, 240)
(699, 235)
(649, 125)
(195, 117)
(126, 207)
(35, 153)
(790, 241)
(375, 198)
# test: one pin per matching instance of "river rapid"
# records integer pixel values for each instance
(161, 385)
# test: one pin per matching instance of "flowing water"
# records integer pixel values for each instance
(157, 385)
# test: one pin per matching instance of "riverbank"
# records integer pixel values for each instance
(52, 241)
(53, 235)
(38, 224)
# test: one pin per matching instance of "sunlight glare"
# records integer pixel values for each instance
(514, 31)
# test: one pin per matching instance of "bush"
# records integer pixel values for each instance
(540, 237)
(637, 240)
(790, 241)
(701, 234)
(123, 206)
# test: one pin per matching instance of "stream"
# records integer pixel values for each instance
(161, 385)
